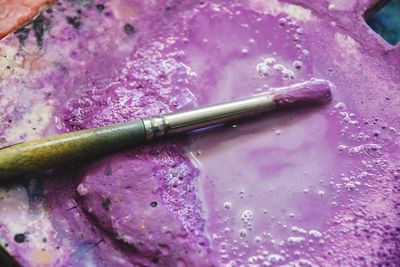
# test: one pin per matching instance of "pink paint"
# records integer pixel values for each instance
(311, 186)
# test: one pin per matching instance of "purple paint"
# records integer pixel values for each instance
(307, 187)
(304, 94)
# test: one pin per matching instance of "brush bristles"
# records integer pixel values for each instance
(310, 92)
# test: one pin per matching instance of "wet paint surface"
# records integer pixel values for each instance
(304, 187)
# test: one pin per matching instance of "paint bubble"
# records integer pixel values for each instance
(369, 149)
(340, 105)
(297, 64)
(350, 186)
(279, 68)
(276, 258)
(297, 229)
(227, 205)
(82, 189)
(270, 61)
(263, 70)
(247, 219)
(295, 240)
(242, 233)
(287, 74)
(282, 22)
(315, 233)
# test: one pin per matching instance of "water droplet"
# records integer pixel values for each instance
(321, 193)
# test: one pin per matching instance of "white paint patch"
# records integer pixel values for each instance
(8, 59)
(342, 5)
(275, 7)
(18, 218)
(32, 123)
(347, 45)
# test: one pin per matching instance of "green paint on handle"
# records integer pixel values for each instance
(60, 150)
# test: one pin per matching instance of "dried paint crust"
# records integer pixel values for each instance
(298, 188)
(14, 14)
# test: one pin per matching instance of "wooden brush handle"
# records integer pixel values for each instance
(60, 150)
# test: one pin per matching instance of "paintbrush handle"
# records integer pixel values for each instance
(60, 150)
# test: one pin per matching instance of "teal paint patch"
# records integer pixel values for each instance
(386, 21)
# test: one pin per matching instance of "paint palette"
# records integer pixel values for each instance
(316, 186)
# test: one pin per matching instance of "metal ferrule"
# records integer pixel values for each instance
(174, 123)
(155, 127)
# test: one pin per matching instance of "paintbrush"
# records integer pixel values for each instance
(60, 150)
